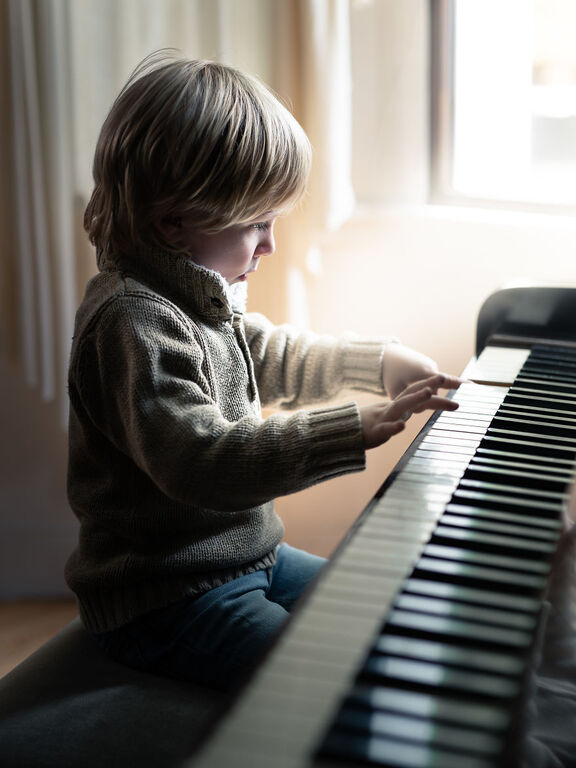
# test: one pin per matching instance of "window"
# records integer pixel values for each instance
(504, 94)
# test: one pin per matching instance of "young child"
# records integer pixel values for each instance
(180, 569)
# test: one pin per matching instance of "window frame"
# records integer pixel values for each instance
(442, 32)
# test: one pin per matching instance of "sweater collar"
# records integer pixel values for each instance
(196, 288)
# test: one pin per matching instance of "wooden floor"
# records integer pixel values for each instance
(26, 625)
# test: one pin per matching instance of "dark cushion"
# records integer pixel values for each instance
(69, 705)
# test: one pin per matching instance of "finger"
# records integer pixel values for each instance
(437, 403)
(387, 429)
(434, 382)
(452, 382)
(407, 403)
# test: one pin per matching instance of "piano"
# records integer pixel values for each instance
(417, 644)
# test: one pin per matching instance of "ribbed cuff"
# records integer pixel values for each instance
(338, 446)
(363, 364)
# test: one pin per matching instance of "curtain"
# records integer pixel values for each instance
(313, 72)
(67, 61)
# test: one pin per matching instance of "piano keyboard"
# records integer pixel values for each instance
(415, 646)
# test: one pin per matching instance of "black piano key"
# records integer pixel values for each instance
(488, 525)
(528, 464)
(517, 515)
(535, 480)
(516, 489)
(531, 426)
(551, 352)
(491, 542)
(543, 376)
(546, 393)
(528, 446)
(500, 452)
(494, 616)
(538, 411)
(451, 655)
(547, 386)
(520, 398)
(347, 746)
(478, 576)
(526, 413)
(456, 592)
(544, 436)
(486, 559)
(426, 675)
(410, 729)
(435, 707)
(552, 356)
(427, 626)
(507, 502)
(542, 373)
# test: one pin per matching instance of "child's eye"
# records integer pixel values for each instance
(262, 226)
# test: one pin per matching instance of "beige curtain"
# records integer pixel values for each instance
(65, 61)
(312, 72)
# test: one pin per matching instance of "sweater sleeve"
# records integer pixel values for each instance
(144, 387)
(295, 368)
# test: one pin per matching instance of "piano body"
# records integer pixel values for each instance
(417, 645)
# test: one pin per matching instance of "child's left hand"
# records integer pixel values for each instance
(401, 366)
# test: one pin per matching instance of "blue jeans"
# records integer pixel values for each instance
(218, 638)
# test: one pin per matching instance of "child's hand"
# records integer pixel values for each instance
(383, 420)
(402, 366)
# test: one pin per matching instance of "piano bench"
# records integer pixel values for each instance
(68, 705)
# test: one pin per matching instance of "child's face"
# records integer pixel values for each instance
(234, 252)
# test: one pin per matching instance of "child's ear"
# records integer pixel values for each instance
(170, 227)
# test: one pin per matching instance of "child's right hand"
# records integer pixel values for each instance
(383, 420)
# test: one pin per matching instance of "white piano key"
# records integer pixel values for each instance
(465, 438)
(436, 453)
(457, 452)
(469, 428)
(336, 578)
(464, 415)
(414, 474)
(447, 439)
(498, 365)
(382, 529)
(407, 488)
(435, 463)
(395, 555)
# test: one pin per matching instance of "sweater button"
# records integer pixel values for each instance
(216, 302)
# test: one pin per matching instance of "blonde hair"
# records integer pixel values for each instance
(196, 139)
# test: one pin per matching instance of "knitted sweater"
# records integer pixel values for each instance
(172, 469)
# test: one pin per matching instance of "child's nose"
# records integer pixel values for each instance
(267, 245)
